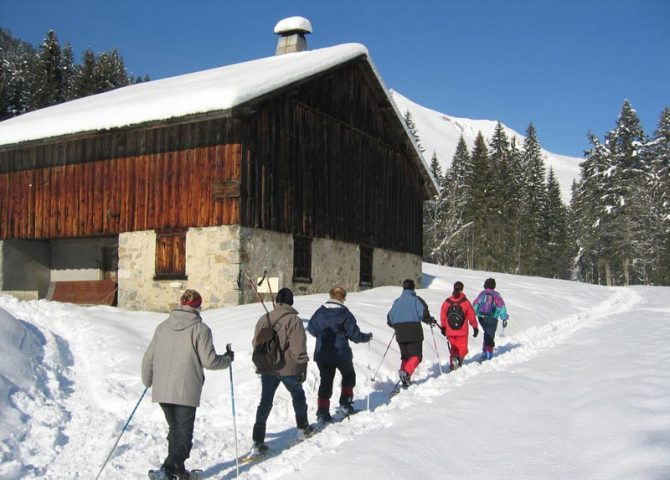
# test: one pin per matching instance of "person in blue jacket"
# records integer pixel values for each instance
(405, 316)
(334, 325)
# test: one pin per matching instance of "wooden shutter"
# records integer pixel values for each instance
(170, 255)
(302, 259)
(365, 274)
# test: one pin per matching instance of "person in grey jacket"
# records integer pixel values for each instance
(291, 332)
(173, 366)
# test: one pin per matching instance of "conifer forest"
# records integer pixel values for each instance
(499, 209)
(33, 78)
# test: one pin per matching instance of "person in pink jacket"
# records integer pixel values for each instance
(455, 314)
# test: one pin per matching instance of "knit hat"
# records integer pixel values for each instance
(285, 295)
(191, 298)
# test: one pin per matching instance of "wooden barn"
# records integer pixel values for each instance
(298, 164)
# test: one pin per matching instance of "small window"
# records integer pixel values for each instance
(302, 259)
(365, 275)
(170, 255)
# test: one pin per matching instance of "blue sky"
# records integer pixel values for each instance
(564, 65)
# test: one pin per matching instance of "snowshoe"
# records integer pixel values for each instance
(344, 411)
(164, 474)
(160, 475)
(307, 432)
(258, 451)
(395, 391)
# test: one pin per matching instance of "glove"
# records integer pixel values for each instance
(230, 355)
(369, 336)
(504, 323)
(302, 373)
(443, 331)
(433, 321)
(476, 332)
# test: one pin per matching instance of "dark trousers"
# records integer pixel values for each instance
(410, 349)
(269, 384)
(490, 325)
(180, 420)
(327, 371)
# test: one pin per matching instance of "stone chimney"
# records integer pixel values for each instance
(291, 33)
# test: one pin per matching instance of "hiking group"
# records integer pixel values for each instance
(182, 347)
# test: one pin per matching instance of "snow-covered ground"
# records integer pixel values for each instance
(579, 388)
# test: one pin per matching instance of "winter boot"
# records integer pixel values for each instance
(258, 436)
(323, 415)
(323, 410)
(404, 378)
(305, 428)
(346, 406)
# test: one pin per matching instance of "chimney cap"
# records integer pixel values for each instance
(293, 24)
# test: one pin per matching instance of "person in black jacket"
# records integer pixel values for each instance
(334, 325)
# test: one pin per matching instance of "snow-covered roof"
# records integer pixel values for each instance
(201, 92)
(211, 90)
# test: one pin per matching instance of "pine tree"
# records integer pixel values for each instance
(411, 126)
(454, 242)
(590, 213)
(556, 252)
(52, 88)
(626, 176)
(85, 78)
(111, 72)
(658, 155)
(533, 204)
(481, 209)
(514, 197)
(17, 75)
(504, 201)
(432, 217)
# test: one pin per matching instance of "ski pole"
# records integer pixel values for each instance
(383, 357)
(369, 370)
(253, 287)
(439, 362)
(123, 430)
(232, 403)
(272, 296)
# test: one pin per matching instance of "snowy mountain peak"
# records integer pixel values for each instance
(439, 134)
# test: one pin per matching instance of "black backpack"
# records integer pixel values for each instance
(455, 314)
(268, 355)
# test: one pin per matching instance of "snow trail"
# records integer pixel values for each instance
(510, 350)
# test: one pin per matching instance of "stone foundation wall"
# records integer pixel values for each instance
(214, 256)
(333, 263)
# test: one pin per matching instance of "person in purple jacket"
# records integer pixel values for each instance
(489, 307)
(334, 325)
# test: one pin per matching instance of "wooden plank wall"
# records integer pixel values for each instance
(326, 161)
(153, 191)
